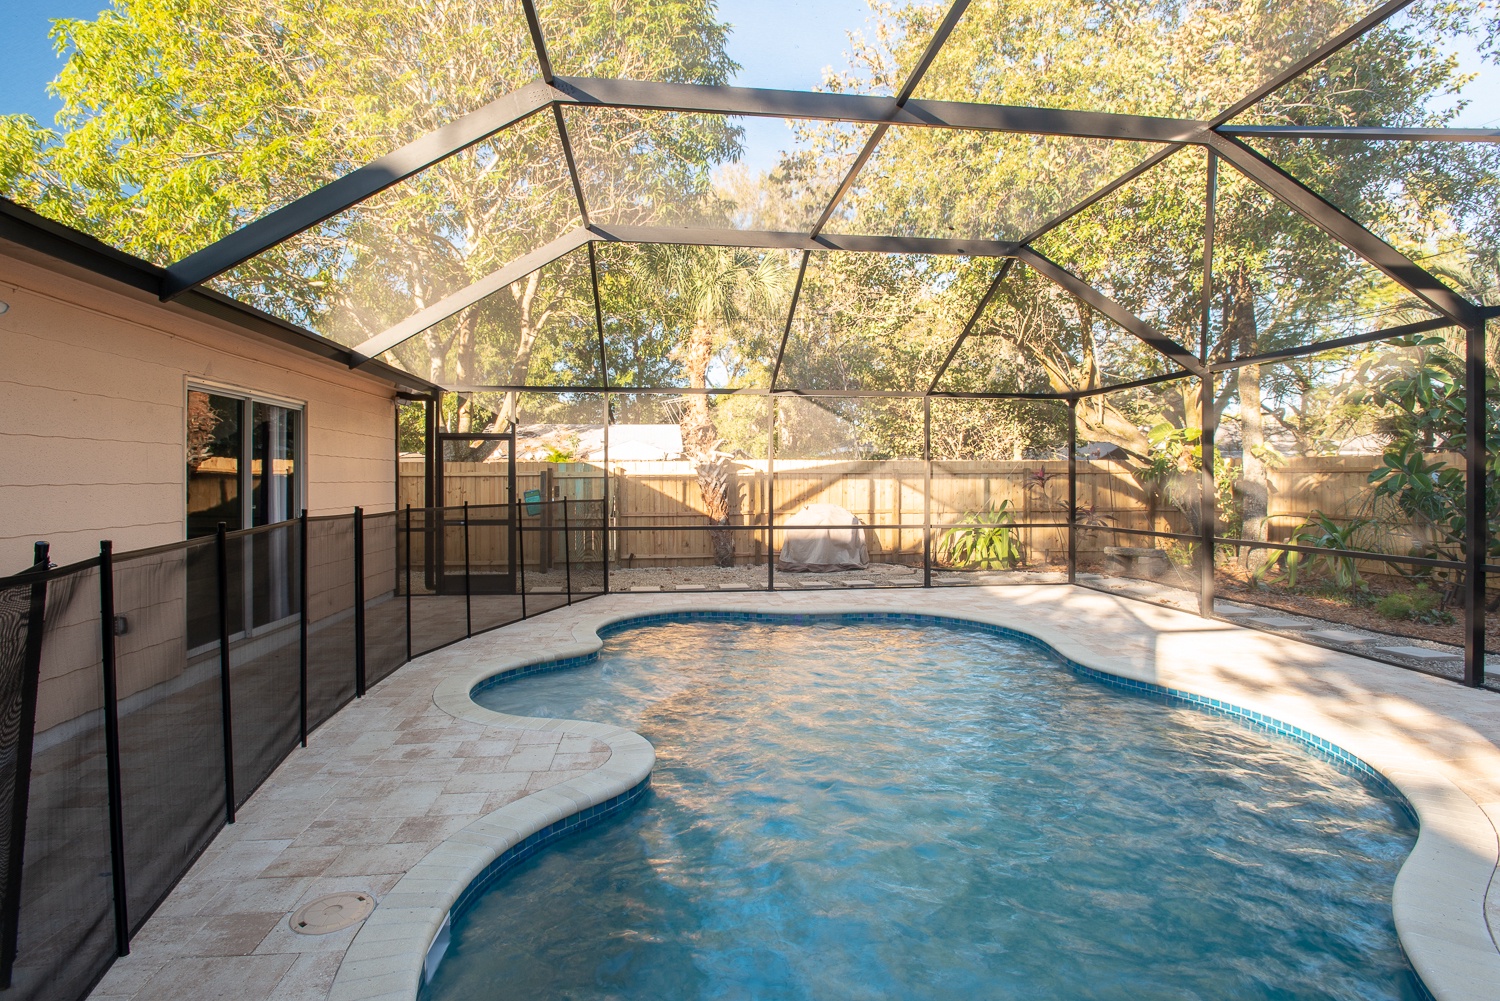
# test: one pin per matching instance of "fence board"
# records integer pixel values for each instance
(648, 496)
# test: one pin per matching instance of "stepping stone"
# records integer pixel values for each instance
(1338, 636)
(1232, 613)
(1279, 622)
(816, 584)
(1090, 576)
(690, 587)
(734, 587)
(645, 587)
(860, 583)
(1418, 652)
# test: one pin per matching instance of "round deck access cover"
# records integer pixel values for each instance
(332, 913)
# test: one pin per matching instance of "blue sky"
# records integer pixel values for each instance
(27, 62)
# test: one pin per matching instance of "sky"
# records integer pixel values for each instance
(27, 62)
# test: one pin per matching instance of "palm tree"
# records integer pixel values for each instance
(722, 297)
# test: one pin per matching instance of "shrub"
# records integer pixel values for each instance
(982, 540)
(1421, 605)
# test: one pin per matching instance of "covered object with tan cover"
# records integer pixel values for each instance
(820, 538)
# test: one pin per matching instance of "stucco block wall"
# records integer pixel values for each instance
(92, 425)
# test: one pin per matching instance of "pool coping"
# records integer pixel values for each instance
(1438, 899)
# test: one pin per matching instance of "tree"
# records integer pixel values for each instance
(185, 119)
(700, 317)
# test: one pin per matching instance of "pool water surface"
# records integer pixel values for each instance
(872, 810)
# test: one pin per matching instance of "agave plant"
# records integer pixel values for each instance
(982, 540)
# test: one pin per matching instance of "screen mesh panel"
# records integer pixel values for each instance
(171, 715)
(438, 608)
(66, 921)
(385, 602)
(330, 617)
(264, 657)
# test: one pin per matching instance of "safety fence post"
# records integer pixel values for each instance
(112, 744)
(408, 582)
(221, 549)
(567, 553)
(468, 589)
(31, 672)
(302, 603)
(359, 602)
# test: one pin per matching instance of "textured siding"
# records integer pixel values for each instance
(92, 425)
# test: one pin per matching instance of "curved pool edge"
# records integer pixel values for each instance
(1438, 899)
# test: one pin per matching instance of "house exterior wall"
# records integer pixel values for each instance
(93, 387)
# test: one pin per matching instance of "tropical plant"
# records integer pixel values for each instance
(1322, 532)
(982, 540)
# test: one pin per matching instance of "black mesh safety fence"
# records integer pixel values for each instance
(212, 659)
(330, 617)
(65, 928)
(562, 552)
(265, 654)
(16, 617)
(167, 670)
(385, 605)
(495, 549)
(435, 578)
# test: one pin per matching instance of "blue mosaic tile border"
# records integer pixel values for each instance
(538, 668)
(530, 845)
(1321, 748)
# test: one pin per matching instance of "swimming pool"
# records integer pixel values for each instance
(853, 810)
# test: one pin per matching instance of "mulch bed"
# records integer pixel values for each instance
(1231, 583)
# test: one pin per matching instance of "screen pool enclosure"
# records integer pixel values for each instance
(965, 240)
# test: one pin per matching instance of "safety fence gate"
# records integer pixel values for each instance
(145, 696)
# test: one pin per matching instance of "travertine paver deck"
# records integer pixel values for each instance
(392, 776)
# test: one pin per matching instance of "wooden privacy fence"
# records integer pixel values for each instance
(646, 499)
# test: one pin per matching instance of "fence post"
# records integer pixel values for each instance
(302, 602)
(770, 493)
(1476, 526)
(548, 488)
(31, 671)
(221, 549)
(359, 602)
(520, 554)
(112, 744)
(567, 554)
(468, 590)
(1208, 519)
(1073, 490)
(408, 582)
(926, 491)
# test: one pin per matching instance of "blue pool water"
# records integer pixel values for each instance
(852, 811)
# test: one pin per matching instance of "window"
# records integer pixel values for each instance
(242, 462)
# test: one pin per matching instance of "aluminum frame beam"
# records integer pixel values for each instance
(1144, 331)
(773, 240)
(345, 192)
(466, 297)
(351, 189)
(871, 110)
(575, 238)
(1368, 134)
(1328, 217)
(963, 335)
(913, 79)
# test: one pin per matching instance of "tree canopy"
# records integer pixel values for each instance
(172, 138)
